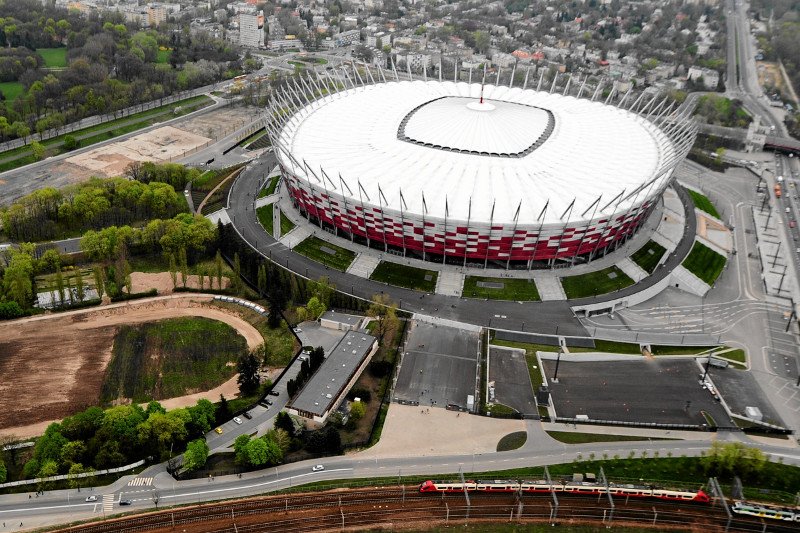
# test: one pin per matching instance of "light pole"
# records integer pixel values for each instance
(558, 360)
(708, 364)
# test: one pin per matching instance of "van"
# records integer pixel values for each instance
(717, 363)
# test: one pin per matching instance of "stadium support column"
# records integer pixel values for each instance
(444, 241)
(466, 239)
(489, 241)
(424, 225)
(525, 83)
(403, 207)
(568, 212)
(344, 186)
(608, 222)
(362, 192)
(541, 77)
(513, 235)
(588, 225)
(381, 202)
(513, 71)
(538, 233)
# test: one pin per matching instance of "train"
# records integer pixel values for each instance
(572, 487)
(761, 510)
(740, 507)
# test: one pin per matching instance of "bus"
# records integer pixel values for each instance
(777, 190)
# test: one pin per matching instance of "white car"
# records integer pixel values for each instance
(91, 498)
(317, 468)
(298, 330)
(237, 419)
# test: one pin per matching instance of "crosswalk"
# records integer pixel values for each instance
(140, 482)
(108, 503)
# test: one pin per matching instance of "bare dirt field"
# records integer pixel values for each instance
(162, 282)
(162, 144)
(220, 122)
(58, 361)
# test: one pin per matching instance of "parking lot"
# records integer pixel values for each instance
(312, 334)
(664, 391)
(508, 370)
(740, 390)
(439, 366)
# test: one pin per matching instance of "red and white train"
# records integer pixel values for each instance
(579, 488)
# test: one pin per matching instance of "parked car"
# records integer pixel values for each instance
(219, 430)
(237, 419)
(247, 415)
(267, 401)
(274, 393)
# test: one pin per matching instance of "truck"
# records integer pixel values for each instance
(777, 190)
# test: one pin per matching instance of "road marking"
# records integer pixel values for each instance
(108, 503)
(140, 481)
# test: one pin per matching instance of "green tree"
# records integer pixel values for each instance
(60, 288)
(38, 150)
(262, 280)
(70, 143)
(384, 311)
(257, 452)
(79, 286)
(183, 266)
(196, 455)
(240, 449)
(357, 411)
(173, 271)
(248, 379)
(99, 281)
(203, 415)
(237, 274)
(49, 468)
(281, 438)
(315, 308)
(218, 265)
(3, 472)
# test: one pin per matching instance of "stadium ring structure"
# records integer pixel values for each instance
(475, 174)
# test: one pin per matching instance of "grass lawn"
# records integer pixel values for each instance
(325, 253)
(738, 355)
(512, 289)
(705, 263)
(168, 358)
(648, 256)
(405, 276)
(512, 441)
(569, 437)
(53, 57)
(265, 217)
(601, 282)
(286, 224)
(252, 138)
(702, 203)
(11, 90)
(163, 56)
(272, 186)
(679, 350)
(499, 409)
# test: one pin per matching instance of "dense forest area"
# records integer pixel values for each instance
(58, 66)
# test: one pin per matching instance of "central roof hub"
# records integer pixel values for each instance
(492, 128)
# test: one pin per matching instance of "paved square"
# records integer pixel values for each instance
(740, 390)
(642, 390)
(439, 366)
(512, 382)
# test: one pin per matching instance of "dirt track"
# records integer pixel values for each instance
(58, 361)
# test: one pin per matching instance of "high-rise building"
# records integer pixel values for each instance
(250, 34)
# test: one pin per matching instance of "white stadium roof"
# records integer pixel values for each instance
(433, 138)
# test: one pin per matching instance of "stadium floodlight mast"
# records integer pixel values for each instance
(606, 228)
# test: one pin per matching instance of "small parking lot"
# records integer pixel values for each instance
(312, 334)
(740, 390)
(439, 366)
(662, 391)
(508, 370)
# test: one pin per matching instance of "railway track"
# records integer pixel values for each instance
(390, 506)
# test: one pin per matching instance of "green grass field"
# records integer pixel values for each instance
(601, 282)
(648, 256)
(405, 276)
(312, 248)
(264, 215)
(513, 289)
(168, 358)
(11, 90)
(53, 57)
(702, 203)
(512, 441)
(286, 224)
(569, 437)
(704, 263)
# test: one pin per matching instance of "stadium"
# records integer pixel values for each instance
(475, 174)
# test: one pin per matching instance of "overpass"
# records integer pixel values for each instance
(787, 145)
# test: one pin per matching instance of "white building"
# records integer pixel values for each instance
(710, 77)
(250, 34)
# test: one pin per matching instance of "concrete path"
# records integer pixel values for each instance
(276, 222)
(216, 216)
(673, 219)
(689, 282)
(272, 198)
(773, 255)
(632, 270)
(363, 265)
(450, 283)
(294, 237)
(549, 288)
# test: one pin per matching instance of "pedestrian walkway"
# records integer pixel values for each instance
(276, 222)
(219, 215)
(549, 288)
(632, 270)
(140, 482)
(266, 200)
(363, 265)
(450, 283)
(688, 282)
(108, 503)
(772, 253)
(672, 222)
(295, 237)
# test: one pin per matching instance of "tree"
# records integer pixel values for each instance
(183, 265)
(60, 288)
(196, 455)
(218, 266)
(237, 274)
(262, 279)
(223, 410)
(203, 415)
(248, 379)
(357, 411)
(79, 286)
(315, 308)
(173, 274)
(257, 452)
(284, 421)
(281, 438)
(240, 449)
(70, 143)
(384, 311)
(3, 472)
(99, 281)
(38, 150)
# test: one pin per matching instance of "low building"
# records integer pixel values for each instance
(338, 373)
(340, 321)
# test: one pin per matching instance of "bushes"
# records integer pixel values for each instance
(9, 310)
(122, 297)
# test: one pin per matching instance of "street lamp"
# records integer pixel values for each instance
(708, 364)
(558, 360)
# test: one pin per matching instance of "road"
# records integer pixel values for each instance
(61, 506)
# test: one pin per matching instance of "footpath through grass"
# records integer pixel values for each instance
(23, 155)
(704, 263)
(609, 279)
(702, 203)
(169, 358)
(325, 253)
(405, 276)
(513, 289)
(648, 256)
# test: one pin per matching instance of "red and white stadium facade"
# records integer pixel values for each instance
(473, 173)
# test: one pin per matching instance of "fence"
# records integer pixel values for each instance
(72, 476)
